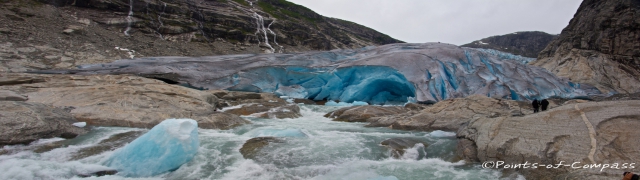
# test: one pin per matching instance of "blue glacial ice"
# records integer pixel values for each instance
(354, 103)
(165, 147)
(376, 75)
(507, 56)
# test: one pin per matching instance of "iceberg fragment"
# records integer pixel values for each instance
(165, 147)
(439, 133)
(79, 124)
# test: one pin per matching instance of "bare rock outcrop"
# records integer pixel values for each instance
(363, 113)
(450, 114)
(25, 122)
(600, 46)
(11, 96)
(121, 100)
(581, 133)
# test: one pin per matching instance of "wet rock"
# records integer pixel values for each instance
(99, 173)
(122, 100)
(265, 105)
(114, 142)
(363, 113)
(238, 96)
(252, 147)
(304, 101)
(415, 106)
(11, 96)
(221, 120)
(398, 146)
(50, 146)
(24, 122)
(589, 133)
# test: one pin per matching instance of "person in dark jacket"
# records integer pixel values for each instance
(629, 176)
(544, 103)
(536, 105)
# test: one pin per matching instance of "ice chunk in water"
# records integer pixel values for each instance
(439, 133)
(165, 147)
(80, 124)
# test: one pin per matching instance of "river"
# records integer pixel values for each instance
(312, 147)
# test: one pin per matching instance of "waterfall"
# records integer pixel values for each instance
(129, 18)
(160, 20)
(193, 7)
(261, 30)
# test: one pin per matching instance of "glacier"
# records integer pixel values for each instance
(424, 72)
(165, 147)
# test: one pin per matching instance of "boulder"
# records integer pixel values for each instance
(398, 146)
(265, 105)
(305, 101)
(251, 148)
(583, 133)
(363, 113)
(122, 100)
(24, 122)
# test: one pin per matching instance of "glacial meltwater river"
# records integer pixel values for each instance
(313, 147)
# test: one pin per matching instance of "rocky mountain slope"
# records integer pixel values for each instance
(526, 43)
(44, 34)
(600, 46)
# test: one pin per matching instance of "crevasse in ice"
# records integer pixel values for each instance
(376, 75)
(165, 147)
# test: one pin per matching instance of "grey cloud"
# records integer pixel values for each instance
(451, 21)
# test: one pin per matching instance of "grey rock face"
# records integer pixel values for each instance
(11, 96)
(24, 122)
(600, 46)
(589, 133)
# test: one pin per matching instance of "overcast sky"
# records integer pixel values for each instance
(451, 21)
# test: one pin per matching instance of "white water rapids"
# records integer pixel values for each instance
(327, 150)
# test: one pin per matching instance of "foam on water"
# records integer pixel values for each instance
(328, 150)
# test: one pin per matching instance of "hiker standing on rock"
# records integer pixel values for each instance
(535, 105)
(629, 176)
(544, 103)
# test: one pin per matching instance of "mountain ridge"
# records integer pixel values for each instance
(600, 46)
(524, 43)
(67, 33)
